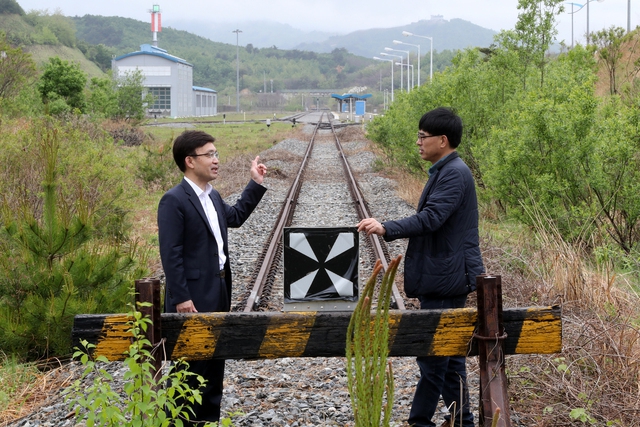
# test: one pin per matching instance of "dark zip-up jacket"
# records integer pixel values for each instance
(443, 255)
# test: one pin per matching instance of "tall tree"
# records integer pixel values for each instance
(120, 98)
(10, 7)
(609, 43)
(63, 81)
(60, 253)
(533, 34)
(131, 100)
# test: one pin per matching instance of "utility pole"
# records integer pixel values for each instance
(237, 71)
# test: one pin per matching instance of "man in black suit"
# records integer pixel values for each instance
(442, 260)
(192, 229)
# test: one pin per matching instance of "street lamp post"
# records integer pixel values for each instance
(390, 60)
(237, 71)
(571, 13)
(388, 49)
(407, 65)
(419, 57)
(407, 34)
(401, 73)
(580, 7)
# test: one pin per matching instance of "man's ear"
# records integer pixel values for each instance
(188, 162)
(445, 141)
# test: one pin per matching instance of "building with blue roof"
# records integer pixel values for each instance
(352, 103)
(170, 80)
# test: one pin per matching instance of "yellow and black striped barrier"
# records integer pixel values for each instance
(267, 335)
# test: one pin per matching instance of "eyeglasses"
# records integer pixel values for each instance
(422, 136)
(209, 154)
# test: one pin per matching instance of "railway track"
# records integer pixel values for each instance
(323, 170)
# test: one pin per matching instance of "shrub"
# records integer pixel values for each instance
(143, 400)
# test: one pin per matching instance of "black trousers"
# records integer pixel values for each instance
(441, 376)
(213, 372)
(209, 410)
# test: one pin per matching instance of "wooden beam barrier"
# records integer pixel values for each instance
(268, 335)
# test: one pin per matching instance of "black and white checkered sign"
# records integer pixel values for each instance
(320, 264)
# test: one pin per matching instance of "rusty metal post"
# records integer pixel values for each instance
(494, 400)
(148, 291)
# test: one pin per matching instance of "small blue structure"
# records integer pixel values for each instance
(348, 100)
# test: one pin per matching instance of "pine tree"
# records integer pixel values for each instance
(54, 267)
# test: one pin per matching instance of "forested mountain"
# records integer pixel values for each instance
(454, 34)
(258, 33)
(215, 63)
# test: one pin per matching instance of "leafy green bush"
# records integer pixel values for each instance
(535, 133)
(63, 80)
(158, 169)
(119, 98)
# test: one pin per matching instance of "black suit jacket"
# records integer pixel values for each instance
(189, 251)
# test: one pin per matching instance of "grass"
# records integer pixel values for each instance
(232, 139)
(596, 376)
(13, 375)
(228, 118)
(24, 386)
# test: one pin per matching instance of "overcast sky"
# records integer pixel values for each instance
(348, 15)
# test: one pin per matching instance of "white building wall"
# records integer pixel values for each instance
(157, 72)
(182, 91)
(174, 79)
(205, 103)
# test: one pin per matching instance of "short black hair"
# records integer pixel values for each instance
(187, 143)
(443, 121)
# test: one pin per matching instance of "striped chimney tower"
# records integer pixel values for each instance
(156, 25)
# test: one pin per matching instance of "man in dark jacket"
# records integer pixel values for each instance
(442, 260)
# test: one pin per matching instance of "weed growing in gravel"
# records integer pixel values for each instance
(160, 400)
(368, 374)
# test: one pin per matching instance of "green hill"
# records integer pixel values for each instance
(43, 44)
(92, 41)
(454, 34)
(42, 53)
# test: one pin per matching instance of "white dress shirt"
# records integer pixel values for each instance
(212, 216)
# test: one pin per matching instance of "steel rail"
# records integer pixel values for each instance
(380, 252)
(265, 276)
(284, 218)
